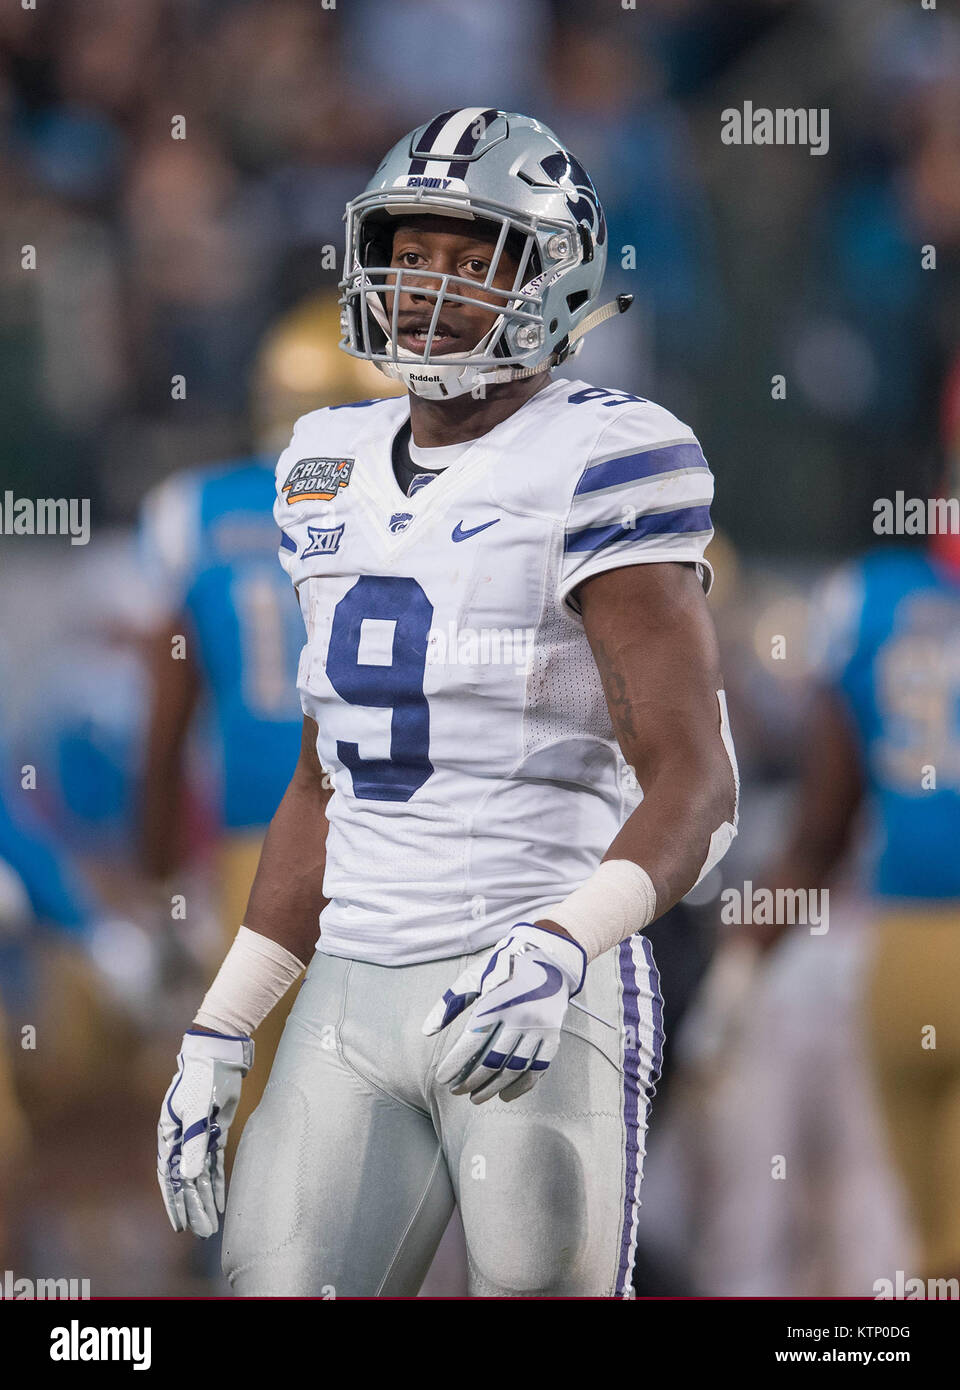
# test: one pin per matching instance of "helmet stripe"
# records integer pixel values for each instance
(425, 144)
(449, 134)
(426, 140)
(446, 143)
(468, 142)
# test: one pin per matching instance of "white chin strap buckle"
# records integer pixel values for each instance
(434, 382)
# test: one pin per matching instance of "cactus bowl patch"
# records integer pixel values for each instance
(317, 479)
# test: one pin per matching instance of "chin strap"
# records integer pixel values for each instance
(570, 348)
(620, 305)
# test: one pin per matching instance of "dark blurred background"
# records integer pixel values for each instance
(160, 256)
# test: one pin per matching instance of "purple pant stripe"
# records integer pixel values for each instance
(631, 1104)
(658, 1034)
(631, 1090)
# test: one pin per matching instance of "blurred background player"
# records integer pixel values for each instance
(866, 1012)
(210, 546)
(71, 984)
(885, 740)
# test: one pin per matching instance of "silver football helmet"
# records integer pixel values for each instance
(501, 168)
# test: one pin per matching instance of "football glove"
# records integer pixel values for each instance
(197, 1111)
(520, 994)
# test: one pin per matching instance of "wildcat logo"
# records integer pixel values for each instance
(317, 480)
(566, 170)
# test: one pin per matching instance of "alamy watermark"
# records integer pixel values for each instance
(783, 907)
(16, 1287)
(780, 125)
(900, 515)
(482, 646)
(76, 1343)
(909, 1287)
(46, 516)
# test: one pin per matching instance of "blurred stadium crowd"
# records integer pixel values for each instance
(215, 258)
(162, 257)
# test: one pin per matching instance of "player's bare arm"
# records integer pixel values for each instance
(174, 690)
(831, 791)
(287, 894)
(655, 647)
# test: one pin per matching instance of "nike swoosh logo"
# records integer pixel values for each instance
(552, 981)
(459, 534)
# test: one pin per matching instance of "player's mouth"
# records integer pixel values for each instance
(414, 338)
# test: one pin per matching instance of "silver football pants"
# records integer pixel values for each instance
(348, 1170)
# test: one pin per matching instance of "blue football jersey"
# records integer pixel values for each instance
(888, 628)
(55, 891)
(211, 544)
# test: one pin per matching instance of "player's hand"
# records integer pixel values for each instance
(197, 1111)
(520, 994)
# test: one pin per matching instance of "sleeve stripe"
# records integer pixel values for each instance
(637, 488)
(628, 468)
(681, 521)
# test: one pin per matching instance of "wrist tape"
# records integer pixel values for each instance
(616, 901)
(256, 972)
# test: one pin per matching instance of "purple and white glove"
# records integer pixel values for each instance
(519, 994)
(198, 1108)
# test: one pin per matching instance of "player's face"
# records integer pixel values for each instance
(451, 247)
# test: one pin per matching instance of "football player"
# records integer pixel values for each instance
(502, 581)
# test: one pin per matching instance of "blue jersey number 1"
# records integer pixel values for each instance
(398, 686)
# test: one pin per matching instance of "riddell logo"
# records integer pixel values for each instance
(424, 376)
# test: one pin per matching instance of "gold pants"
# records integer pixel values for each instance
(912, 1001)
(238, 857)
(14, 1131)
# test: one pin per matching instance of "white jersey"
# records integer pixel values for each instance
(476, 775)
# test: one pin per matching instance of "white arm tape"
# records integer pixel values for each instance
(723, 837)
(256, 972)
(616, 901)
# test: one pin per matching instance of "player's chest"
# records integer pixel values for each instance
(459, 551)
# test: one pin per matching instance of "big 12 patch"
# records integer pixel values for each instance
(317, 479)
